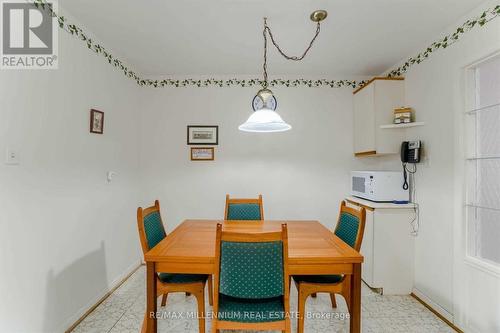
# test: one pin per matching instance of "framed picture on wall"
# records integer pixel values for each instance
(202, 135)
(96, 121)
(202, 154)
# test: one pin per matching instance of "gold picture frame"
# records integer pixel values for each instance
(202, 154)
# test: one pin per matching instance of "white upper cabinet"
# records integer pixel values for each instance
(374, 106)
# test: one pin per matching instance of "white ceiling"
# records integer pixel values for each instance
(224, 37)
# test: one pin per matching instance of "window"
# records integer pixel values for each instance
(483, 162)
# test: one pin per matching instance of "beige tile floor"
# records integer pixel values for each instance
(123, 311)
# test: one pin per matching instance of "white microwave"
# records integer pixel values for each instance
(379, 186)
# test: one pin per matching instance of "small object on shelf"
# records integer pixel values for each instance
(403, 115)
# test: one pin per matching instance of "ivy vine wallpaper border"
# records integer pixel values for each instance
(448, 40)
(479, 21)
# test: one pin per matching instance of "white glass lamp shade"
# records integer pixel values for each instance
(264, 121)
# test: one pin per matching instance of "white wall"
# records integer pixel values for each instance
(435, 89)
(302, 173)
(66, 236)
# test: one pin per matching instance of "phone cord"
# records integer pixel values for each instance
(405, 176)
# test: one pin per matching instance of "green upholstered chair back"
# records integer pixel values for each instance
(153, 228)
(243, 211)
(251, 270)
(348, 228)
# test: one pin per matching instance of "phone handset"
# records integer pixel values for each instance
(410, 153)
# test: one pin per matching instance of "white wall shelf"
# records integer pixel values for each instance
(413, 124)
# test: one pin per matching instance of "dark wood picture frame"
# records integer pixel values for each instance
(213, 127)
(193, 149)
(100, 128)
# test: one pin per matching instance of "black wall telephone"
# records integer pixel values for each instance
(410, 153)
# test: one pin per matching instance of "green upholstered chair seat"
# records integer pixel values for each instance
(247, 211)
(251, 310)
(181, 278)
(328, 279)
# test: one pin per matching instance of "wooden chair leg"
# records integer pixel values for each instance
(334, 302)
(164, 299)
(301, 310)
(210, 291)
(288, 328)
(144, 327)
(314, 295)
(200, 297)
(213, 329)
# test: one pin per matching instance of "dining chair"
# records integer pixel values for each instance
(244, 209)
(350, 228)
(151, 232)
(251, 281)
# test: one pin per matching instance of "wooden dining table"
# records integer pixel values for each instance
(312, 250)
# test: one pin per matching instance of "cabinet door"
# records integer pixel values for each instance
(393, 248)
(367, 250)
(388, 95)
(364, 120)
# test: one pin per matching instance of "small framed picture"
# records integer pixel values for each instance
(96, 121)
(202, 154)
(202, 135)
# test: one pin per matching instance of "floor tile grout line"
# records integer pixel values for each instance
(116, 322)
(131, 303)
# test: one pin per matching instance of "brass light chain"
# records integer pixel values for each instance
(294, 58)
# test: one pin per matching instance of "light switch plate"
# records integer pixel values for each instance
(12, 157)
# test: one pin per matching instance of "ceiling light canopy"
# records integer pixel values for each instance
(265, 119)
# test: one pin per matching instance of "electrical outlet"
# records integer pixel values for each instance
(12, 157)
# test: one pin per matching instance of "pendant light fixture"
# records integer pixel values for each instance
(265, 119)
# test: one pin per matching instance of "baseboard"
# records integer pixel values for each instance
(435, 308)
(76, 319)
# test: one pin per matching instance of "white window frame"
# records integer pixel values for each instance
(471, 97)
